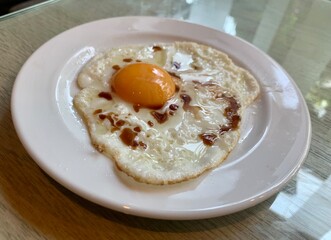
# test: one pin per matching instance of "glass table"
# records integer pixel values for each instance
(293, 32)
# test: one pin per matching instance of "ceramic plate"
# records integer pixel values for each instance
(275, 130)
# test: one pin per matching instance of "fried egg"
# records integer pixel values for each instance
(164, 113)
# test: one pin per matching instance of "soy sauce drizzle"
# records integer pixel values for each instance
(208, 138)
(160, 117)
(105, 95)
(173, 107)
(116, 67)
(128, 137)
(187, 99)
(231, 114)
(136, 107)
(127, 59)
(102, 116)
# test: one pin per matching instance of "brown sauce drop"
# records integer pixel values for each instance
(143, 145)
(150, 123)
(127, 59)
(138, 60)
(128, 138)
(120, 123)
(136, 107)
(173, 107)
(235, 121)
(224, 128)
(102, 116)
(160, 117)
(97, 111)
(116, 67)
(233, 104)
(157, 48)
(105, 95)
(187, 107)
(228, 111)
(231, 113)
(208, 138)
(137, 129)
(112, 118)
(187, 99)
(177, 88)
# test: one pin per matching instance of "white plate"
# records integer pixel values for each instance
(275, 131)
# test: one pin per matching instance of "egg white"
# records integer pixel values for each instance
(172, 151)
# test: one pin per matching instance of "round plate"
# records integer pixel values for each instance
(275, 131)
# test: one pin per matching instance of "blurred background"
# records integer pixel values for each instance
(8, 6)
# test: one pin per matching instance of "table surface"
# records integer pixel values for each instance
(295, 33)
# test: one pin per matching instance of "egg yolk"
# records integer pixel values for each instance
(146, 85)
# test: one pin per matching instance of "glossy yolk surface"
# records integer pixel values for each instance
(144, 84)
